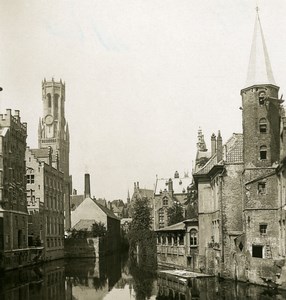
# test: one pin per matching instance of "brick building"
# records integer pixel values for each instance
(53, 132)
(241, 188)
(45, 199)
(13, 204)
(167, 192)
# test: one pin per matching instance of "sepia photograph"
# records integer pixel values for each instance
(142, 149)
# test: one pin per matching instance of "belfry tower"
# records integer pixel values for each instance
(53, 132)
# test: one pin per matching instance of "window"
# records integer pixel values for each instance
(165, 201)
(31, 179)
(261, 98)
(49, 100)
(263, 125)
(263, 152)
(193, 237)
(257, 251)
(263, 229)
(262, 188)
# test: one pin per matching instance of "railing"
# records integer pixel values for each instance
(171, 249)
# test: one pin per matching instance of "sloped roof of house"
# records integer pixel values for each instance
(180, 185)
(84, 225)
(107, 211)
(178, 226)
(75, 201)
(174, 227)
(232, 153)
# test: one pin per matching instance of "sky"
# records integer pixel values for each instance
(141, 77)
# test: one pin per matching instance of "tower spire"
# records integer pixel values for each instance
(259, 68)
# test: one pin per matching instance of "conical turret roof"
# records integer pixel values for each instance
(259, 68)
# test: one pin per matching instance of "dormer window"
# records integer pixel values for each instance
(263, 125)
(263, 152)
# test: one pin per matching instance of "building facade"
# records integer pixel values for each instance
(241, 188)
(53, 132)
(13, 203)
(167, 192)
(45, 199)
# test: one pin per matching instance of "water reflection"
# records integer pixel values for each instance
(120, 278)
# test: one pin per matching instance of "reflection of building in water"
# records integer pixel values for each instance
(172, 287)
(90, 278)
(47, 282)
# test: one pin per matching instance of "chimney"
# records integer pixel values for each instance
(86, 186)
(219, 147)
(213, 144)
(170, 185)
(137, 185)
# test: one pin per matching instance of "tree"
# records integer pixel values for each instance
(98, 229)
(140, 235)
(192, 202)
(175, 213)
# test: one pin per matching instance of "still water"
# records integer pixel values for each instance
(118, 278)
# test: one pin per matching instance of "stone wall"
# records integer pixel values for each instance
(89, 247)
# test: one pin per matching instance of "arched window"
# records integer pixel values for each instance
(263, 125)
(165, 201)
(193, 237)
(49, 100)
(263, 152)
(56, 105)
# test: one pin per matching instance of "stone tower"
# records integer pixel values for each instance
(261, 107)
(261, 138)
(53, 132)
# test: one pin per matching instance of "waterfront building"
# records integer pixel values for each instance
(14, 251)
(53, 132)
(45, 200)
(167, 192)
(89, 212)
(241, 188)
(220, 204)
(177, 245)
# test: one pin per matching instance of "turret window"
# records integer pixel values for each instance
(263, 125)
(261, 98)
(263, 152)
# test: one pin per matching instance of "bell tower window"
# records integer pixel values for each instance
(262, 125)
(263, 152)
(49, 100)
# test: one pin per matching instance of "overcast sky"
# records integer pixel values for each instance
(141, 77)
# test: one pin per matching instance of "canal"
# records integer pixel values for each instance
(119, 278)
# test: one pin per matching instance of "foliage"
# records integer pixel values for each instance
(140, 234)
(97, 230)
(175, 213)
(192, 203)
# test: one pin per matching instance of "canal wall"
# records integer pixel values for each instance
(77, 247)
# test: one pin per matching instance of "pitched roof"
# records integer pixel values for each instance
(180, 185)
(75, 201)
(108, 212)
(259, 68)
(84, 225)
(178, 226)
(232, 153)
